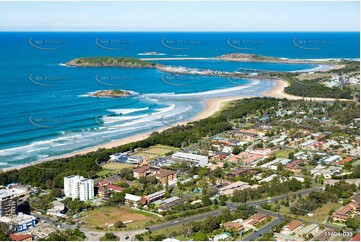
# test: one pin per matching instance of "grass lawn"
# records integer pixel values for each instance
(321, 214)
(155, 151)
(110, 215)
(106, 172)
(283, 209)
(115, 166)
(182, 238)
(283, 153)
(169, 232)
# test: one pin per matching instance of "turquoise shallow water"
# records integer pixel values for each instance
(47, 110)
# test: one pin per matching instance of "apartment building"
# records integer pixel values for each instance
(78, 187)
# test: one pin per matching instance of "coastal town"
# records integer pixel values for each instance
(180, 120)
(283, 171)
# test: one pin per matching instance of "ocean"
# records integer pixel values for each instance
(46, 109)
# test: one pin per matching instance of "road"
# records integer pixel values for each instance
(94, 235)
(264, 229)
(273, 199)
(186, 220)
(279, 219)
(230, 205)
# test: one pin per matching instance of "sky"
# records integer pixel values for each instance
(180, 16)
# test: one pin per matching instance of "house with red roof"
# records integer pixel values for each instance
(21, 237)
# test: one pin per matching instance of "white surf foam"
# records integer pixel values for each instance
(127, 110)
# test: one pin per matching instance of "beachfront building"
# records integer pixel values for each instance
(8, 201)
(78, 187)
(197, 160)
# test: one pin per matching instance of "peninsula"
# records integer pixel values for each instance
(108, 61)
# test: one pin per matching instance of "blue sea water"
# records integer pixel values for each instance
(46, 109)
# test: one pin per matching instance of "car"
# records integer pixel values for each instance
(127, 237)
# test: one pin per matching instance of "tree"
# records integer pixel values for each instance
(236, 150)
(206, 200)
(66, 235)
(222, 200)
(56, 192)
(353, 222)
(119, 224)
(75, 205)
(3, 237)
(200, 236)
(307, 182)
(109, 237)
(291, 155)
(117, 198)
(49, 184)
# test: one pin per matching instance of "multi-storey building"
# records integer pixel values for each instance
(9, 200)
(78, 187)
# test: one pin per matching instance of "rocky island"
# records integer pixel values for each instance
(242, 57)
(127, 62)
(111, 93)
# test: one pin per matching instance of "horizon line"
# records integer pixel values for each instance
(185, 31)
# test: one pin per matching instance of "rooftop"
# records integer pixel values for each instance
(293, 224)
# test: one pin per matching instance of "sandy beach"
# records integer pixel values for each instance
(211, 106)
(278, 92)
(177, 58)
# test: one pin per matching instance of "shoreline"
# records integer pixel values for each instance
(278, 92)
(212, 106)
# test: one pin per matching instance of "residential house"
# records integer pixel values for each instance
(21, 237)
(343, 161)
(310, 229)
(292, 227)
(245, 158)
(241, 171)
(233, 225)
(259, 217)
(342, 214)
(239, 185)
(285, 237)
(220, 237)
